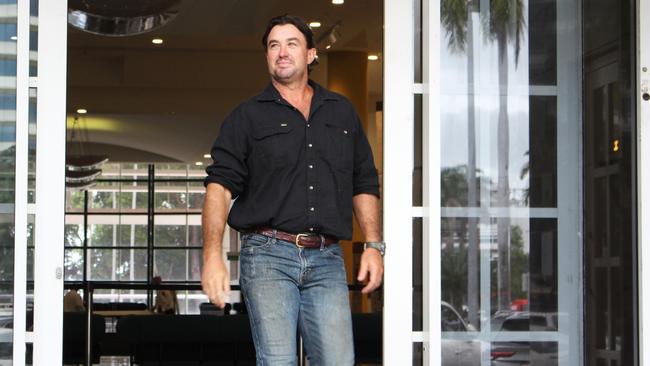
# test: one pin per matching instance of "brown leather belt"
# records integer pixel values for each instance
(306, 240)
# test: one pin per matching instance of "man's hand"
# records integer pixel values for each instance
(371, 264)
(216, 281)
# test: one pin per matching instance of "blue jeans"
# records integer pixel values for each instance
(288, 289)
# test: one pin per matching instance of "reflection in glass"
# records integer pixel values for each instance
(178, 264)
(170, 235)
(8, 13)
(117, 264)
(500, 119)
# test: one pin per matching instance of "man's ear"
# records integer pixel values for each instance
(311, 55)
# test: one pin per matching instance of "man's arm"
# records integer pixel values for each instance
(215, 278)
(366, 210)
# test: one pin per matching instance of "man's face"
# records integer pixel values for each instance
(287, 55)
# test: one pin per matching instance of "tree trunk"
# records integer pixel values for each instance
(503, 186)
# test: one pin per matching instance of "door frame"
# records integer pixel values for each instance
(643, 175)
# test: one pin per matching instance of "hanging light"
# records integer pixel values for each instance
(81, 167)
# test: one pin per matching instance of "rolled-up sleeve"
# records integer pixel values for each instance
(229, 154)
(365, 176)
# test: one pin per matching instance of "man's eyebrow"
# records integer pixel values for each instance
(288, 39)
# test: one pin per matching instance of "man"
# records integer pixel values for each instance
(297, 162)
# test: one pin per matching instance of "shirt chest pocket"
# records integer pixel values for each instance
(273, 144)
(341, 145)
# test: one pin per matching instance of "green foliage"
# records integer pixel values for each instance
(453, 15)
(505, 22)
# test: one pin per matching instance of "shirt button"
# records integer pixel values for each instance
(308, 125)
(311, 229)
(311, 209)
(345, 132)
(311, 188)
(311, 166)
(310, 145)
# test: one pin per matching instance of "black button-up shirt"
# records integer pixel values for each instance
(289, 173)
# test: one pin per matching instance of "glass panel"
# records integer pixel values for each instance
(195, 196)
(418, 300)
(132, 235)
(73, 263)
(418, 353)
(189, 301)
(103, 197)
(524, 353)
(170, 235)
(611, 329)
(117, 264)
(510, 133)
(7, 176)
(74, 235)
(31, 226)
(171, 196)
(133, 196)
(119, 296)
(33, 38)
(417, 151)
(417, 40)
(31, 154)
(178, 264)
(459, 259)
(74, 201)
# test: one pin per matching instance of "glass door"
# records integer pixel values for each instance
(33, 135)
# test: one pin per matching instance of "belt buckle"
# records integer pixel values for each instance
(298, 240)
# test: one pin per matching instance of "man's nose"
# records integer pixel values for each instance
(283, 51)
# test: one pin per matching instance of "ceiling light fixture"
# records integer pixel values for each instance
(207, 156)
(82, 111)
(14, 38)
(157, 41)
(198, 163)
(338, 2)
(373, 57)
(315, 24)
(328, 46)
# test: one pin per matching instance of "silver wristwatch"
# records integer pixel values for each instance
(379, 245)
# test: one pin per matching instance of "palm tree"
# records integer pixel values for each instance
(455, 15)
(504, 24)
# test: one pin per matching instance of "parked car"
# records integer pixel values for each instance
(457, 352)
(524, 353)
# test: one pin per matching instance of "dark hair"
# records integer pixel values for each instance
(293, 20)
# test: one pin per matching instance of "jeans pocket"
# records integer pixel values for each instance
(252, 241)
(334, 250)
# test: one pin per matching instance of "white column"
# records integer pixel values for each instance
(397, 182)
(20, 208)
(50, 182)
(431, 27)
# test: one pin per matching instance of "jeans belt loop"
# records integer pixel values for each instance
(322, 242)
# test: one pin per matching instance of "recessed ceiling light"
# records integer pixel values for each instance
(82, 111)
(198, 163)
(315, 24)
(14, 38)
(157, 41)
(338, 2)
(373, 57)
(207, 156)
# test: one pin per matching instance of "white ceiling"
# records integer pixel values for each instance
(166, 102)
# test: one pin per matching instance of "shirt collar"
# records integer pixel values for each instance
(270, 93)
